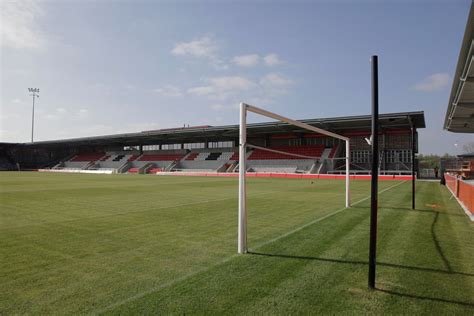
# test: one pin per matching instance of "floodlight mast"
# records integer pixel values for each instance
(34, 92)
(244, 108)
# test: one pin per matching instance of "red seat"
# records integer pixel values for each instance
(132, 158)
(155, 170)
(305, 150)
(88, 157)
(192, 156)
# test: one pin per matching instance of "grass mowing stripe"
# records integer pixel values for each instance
(317, 220)
(131, 212)
(186, 276)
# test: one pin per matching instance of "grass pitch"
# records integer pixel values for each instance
(133, 244)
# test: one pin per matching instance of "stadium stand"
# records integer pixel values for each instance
(235, 156)
(214, 148)
(206, 160)
(160, 157)
(111, 162)
(88, 157)
(266, 161)
(6, 164)
(154, 170)
(333, 152)
(152, 162)
(133, 170)
(305, 150)
(133, 158)
(192, 156)
(80, 161)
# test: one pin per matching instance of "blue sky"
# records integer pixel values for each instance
(107, 67)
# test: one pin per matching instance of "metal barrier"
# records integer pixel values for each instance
(463, 191)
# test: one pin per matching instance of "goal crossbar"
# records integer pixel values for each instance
(244, 108)
(266, 113)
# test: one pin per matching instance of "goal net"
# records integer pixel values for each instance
(244, 109)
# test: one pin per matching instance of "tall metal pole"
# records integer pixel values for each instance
(34, 93)
(374, 178)
(413, 148)
(33, 118)
(242, 230)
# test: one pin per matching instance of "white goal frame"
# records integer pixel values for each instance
(244, 108)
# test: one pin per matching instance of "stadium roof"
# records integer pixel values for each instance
(460, 112)
(390, 121)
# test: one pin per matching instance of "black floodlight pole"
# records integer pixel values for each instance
(413, 148)
(374, 178)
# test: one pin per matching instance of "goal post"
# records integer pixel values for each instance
(244, 109)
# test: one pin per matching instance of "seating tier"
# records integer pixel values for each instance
(160, 157)
(306, 150)
(88, 157)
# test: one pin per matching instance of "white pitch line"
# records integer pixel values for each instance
(184, 277)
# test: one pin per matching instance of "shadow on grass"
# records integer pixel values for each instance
(355, 262)
(433, 233)
(448, 269)
(437, 244)
(426, 298)
(406, 209)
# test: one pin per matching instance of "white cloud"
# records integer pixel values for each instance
(204, 90)
(83, 113)
(272, 60)
(232, 83)
(50, 116)
(246, 60)
(18, 27)
(434, 82)
(228, 88)
(261, 101)
(14, 135)
(136, 127)
(222, 87)
(57, 114)
(221, 107)
(202, 47)
(217, 107)
(97, 129)
(130, 87)
(275, 80)
(17, 101)
(169, 91)
(63, 114)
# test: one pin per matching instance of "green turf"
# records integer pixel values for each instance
(134, 244)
